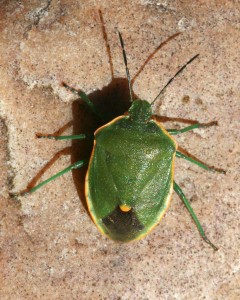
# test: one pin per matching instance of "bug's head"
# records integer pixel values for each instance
(140, 111)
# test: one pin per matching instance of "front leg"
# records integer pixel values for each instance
(198, 163)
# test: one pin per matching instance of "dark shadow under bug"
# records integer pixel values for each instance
(112, 101)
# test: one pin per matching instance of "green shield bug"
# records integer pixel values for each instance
(129, 181)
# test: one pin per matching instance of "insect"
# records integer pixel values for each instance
(130, 176)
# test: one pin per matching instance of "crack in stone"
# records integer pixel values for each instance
(39, 14)
(36, 17)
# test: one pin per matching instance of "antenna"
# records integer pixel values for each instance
(125, 62)
(178, 72)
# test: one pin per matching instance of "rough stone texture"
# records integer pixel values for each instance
(50, 248)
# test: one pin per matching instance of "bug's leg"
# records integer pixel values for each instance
(198, 163)
(180, 193)
(191, 127)
(76, 165)
(84, 97)
(63, 137)
(35, 179)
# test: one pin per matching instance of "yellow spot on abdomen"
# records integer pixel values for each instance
(124, 207)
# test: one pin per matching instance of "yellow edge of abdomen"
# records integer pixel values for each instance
(87, 196)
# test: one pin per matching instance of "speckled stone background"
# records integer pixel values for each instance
(50, 248)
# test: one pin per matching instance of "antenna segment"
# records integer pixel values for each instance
(178, 72)
(125, 62)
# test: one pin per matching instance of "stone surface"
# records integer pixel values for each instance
(50, 248)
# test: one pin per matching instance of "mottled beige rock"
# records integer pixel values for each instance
(50, 248)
